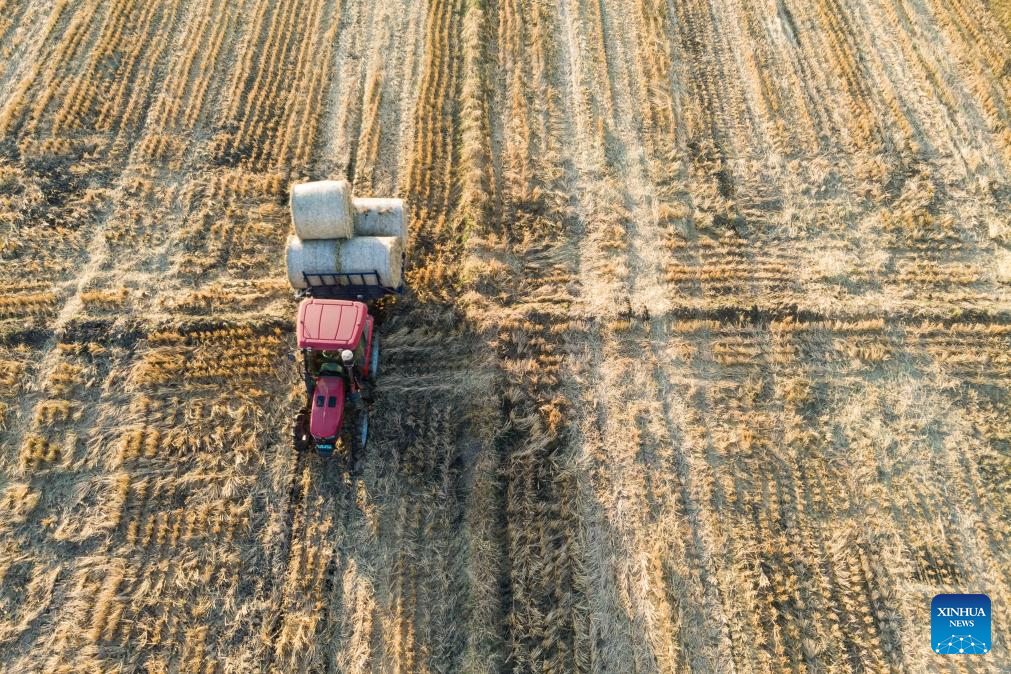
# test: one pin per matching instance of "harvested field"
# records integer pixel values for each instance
(705, 363)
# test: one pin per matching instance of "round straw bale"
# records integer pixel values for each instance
(322, 210)
(373, 253)
(381, 217)
(310, 256)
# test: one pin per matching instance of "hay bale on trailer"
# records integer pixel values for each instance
(381, 217)
(374, 253)
(322, 210)
(311, 256)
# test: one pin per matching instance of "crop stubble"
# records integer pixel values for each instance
(705, 363)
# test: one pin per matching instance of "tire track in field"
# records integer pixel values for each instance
(529, 326)
(642, 605)
(667, 483)
(598, 275)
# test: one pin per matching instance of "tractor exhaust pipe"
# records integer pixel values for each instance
(348, 358)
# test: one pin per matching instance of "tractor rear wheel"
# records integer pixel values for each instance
(360, 434)
(300, 436)
(374, 359)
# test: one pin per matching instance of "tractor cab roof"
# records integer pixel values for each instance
(330, 325)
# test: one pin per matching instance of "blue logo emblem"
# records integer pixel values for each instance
(960, 624)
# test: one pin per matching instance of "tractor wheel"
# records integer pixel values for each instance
(374, 359)
(300, 436)
(359, 434)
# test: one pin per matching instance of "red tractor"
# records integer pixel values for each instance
(340, 357)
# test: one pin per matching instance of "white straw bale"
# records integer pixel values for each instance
(311, 256)
(381, 217)
(322, 210)
(373, 253)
